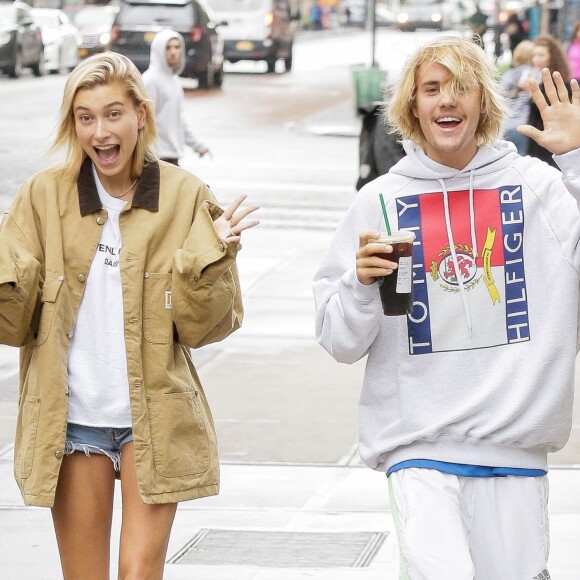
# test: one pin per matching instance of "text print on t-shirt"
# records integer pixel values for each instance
(110, 253)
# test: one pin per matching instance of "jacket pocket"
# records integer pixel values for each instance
(12, 316)
(25, 453)
(48, 298)
(157, 308)
(178, 434)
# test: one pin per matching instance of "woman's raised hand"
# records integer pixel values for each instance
(230, 225)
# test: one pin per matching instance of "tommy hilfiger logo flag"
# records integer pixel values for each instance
(493, 277)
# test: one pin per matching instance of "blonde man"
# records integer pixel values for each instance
(464, 397)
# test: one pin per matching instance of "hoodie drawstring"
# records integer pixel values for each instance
(462, 290)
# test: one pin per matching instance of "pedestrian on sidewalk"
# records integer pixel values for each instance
(572, 47)
(162, 83)
(465, 396)
(112, 265)
(548, 53)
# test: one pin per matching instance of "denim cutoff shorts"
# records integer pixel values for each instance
(102, 440)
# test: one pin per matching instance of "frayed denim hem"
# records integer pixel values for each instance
(71, 447)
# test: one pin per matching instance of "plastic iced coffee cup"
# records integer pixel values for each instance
(396, 290)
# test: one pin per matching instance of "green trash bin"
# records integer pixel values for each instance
(369, 84)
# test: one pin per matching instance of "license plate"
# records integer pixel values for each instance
(83, 52)
(244, 45)
(149, 36)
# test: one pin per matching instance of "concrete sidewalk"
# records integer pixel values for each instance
(295, 501)
(302, 518)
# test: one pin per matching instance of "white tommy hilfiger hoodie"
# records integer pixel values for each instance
(481, 372)
(165, 90)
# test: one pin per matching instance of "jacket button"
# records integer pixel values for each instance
(146, 275)
(67, 392)
(100, 220)
(133, 320)
(239, 247)
(58, 454)
(69, 334)
(61, 278)
(81, 277)
(222, 247)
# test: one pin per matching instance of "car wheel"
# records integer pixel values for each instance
(38, 68)
(218, 77)
(15, 70)
(288, 63)
(206, 78)
(58, 67)
(271, 63)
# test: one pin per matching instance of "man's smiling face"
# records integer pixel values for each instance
(448, 122)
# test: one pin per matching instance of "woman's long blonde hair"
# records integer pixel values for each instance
(98, 70)
(469, 69)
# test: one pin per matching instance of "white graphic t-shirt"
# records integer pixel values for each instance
(97, 364)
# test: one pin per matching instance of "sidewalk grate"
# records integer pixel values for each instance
(280, 549)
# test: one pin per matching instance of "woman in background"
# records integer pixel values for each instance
(548, 53)
(514, 84)
(573, 51)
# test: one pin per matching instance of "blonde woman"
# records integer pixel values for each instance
(514, 83)
(113, 265)
(463, 397)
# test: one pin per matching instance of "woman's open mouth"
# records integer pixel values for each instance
(108, 154)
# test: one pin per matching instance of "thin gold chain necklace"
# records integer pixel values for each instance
(126, 191)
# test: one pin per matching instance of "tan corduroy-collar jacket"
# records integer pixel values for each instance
(180, 291)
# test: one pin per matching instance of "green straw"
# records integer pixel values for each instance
(385, 213)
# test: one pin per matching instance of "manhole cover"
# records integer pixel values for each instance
(280, 549)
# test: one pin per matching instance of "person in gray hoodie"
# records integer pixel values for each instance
(162, 83)
(464, 397)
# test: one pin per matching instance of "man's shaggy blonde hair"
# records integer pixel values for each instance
(469, 69)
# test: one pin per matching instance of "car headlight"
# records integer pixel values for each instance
(403, 18)
(436, 17)
(104, 38)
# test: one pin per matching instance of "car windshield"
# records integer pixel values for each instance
(6, 14)
(236, 5)
(46, 20)
(137, 14)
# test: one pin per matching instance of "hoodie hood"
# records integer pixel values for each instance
(488, 159)
(158, 61)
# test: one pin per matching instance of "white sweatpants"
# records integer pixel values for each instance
(466, 528)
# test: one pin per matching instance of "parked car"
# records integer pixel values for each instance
(355, 14)
(434, 14)
(139, 20)
(94, 24)
(257, 30)
(20, 40)
(413, 14)
(60, 38)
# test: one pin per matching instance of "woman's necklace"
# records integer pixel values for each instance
(126, 191)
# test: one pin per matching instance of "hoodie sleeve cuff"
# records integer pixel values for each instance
(362, 292)
(569, 163)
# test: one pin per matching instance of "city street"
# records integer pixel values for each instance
(285, 412)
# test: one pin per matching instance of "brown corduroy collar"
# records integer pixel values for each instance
(146, 196)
